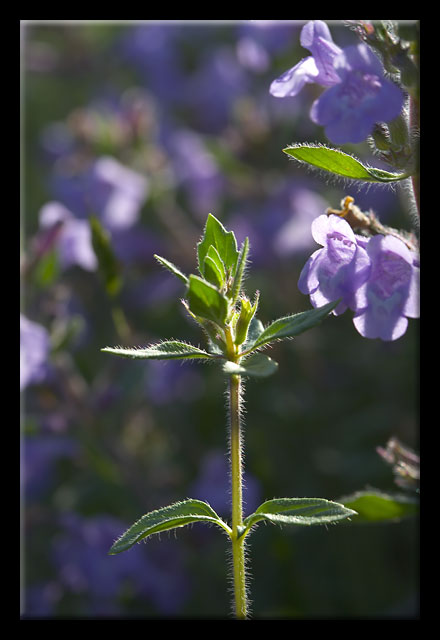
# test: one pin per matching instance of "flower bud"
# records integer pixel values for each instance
(247, 312)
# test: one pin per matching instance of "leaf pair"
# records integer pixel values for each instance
(215, 300)
(253, 364)
(292, 511)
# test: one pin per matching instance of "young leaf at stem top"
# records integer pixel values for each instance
(224, 242)
(206, 301)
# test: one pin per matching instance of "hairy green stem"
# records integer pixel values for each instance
(414, 124)
(237, 500)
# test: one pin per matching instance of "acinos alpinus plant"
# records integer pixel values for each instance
(215, 299)
(362, 265)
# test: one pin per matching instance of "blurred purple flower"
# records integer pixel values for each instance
(391, 294)
(271, 35)
(170, 381)
(213, 485)
(195, 169)
(74, 240)
(34, 352)
(339, 268)
(108, 189)
(118, 193)
(40, 454)
(214, 88)
(84, 567)
(358, 94)
(293, 235)
(153, 49)
(252, 55)
(40, 599)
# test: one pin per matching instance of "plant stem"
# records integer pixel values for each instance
(414, 124)
(237, 499)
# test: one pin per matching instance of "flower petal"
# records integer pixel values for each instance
(380, 325)
(308, 278)
(292, 81)
(316, 37)
(324, 225)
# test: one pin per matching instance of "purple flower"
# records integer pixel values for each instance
(358, 94)
(339, 268)
(34, 351)
(317, 68)
(74, 240)
(391, 294)
(349, 109)
(378, 278)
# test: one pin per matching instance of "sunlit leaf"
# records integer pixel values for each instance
(176, 515)
(206, 301)
(224, 242)
(290, 326)
(171, 267)
(337, 162)
(299, 511)
(167, 350)
(257, 365)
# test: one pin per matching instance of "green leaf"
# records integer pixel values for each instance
(224, 242)
(171, 267)
(107, 262)
(247, 313)
(301, 511)
(168, 350)
(241, 266)
(213, 268)
(290, 326)
(256, 328)
(340, 163)
(206, 301)
(375, 506)
(176, 515)
(257, 365)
